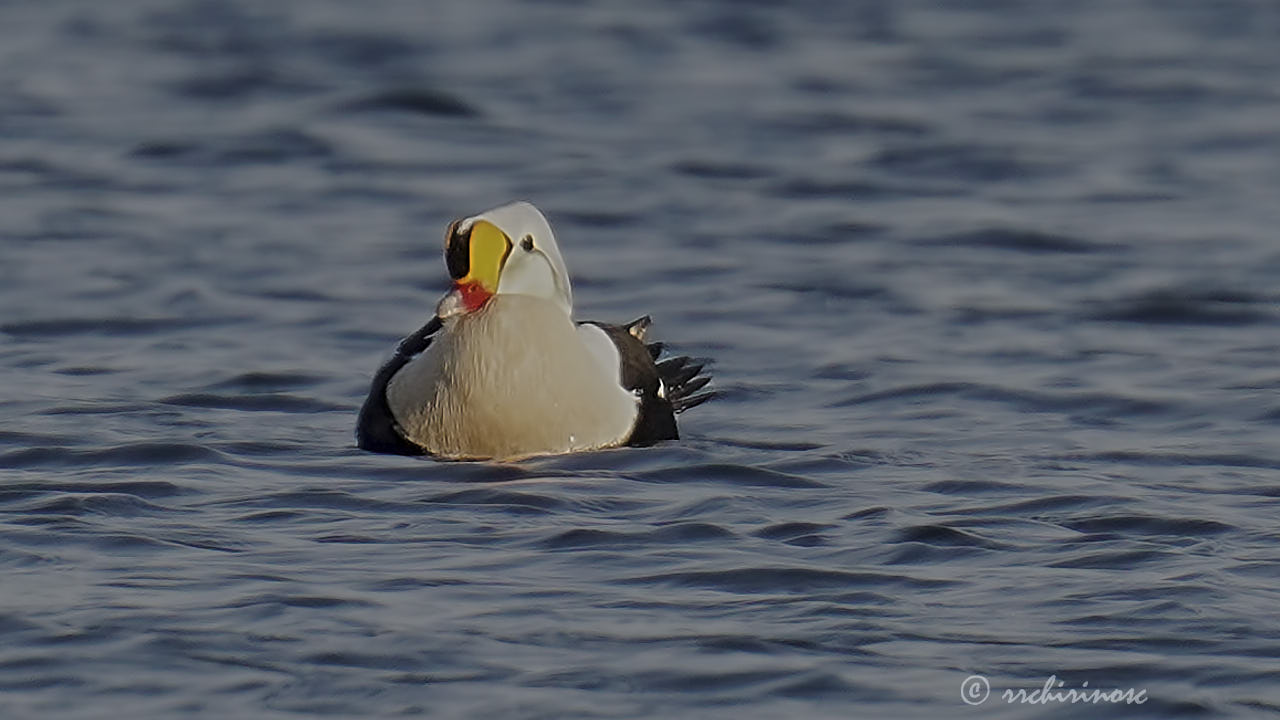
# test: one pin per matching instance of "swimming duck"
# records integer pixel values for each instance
(504, 372)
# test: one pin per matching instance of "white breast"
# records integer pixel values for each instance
(512, 379)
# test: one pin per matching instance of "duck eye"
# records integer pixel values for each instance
(526, 243)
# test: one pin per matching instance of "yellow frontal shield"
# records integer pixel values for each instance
(488, 252)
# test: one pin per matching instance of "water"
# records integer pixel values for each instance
(990, 288)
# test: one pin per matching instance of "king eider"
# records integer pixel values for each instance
(503, 371)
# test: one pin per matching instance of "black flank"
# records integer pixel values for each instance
(678, 377)
(377, 429)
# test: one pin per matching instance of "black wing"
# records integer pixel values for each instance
(377, 429)
(665, 388)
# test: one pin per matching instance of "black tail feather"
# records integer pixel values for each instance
(692, 401)
(695, 384)
(685, 375)
(682, 378)
(675, 362)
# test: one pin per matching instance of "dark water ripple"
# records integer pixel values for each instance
(989, 288)
(415, 101)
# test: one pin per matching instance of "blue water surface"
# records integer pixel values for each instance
(990, 289)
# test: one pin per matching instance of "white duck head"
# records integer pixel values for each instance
(508, 250)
